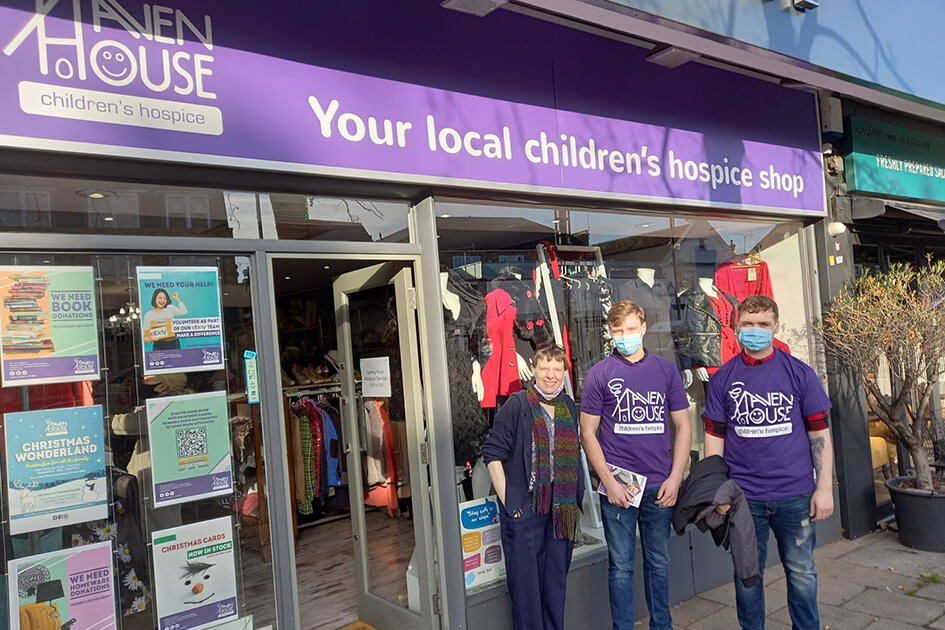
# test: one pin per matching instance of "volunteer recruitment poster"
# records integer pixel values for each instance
(198, 569)
(48, 325)
(482, 545)
(190, 447)
(73, 588)
(181, 326)
(55, 468)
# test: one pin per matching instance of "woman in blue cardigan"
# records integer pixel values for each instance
(533, 457)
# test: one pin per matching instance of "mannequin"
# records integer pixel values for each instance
(706, 328)
(647, 275)
(463, 312)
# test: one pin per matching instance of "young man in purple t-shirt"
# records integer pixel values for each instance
(766, 414)
(627, 403)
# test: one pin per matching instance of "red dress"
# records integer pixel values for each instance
(742, 280)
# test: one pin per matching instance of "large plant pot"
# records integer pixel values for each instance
(919, 516)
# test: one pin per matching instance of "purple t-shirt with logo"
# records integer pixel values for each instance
(633, 401)
(766, 444)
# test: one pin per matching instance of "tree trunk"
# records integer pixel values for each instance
(923, 472)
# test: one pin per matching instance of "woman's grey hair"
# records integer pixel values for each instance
(550, 353)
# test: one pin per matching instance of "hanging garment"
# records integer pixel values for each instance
(500, 372)
(658, 302)
(384, 494)
(726, 310)
(308, 459)
(317, 427)
(463, 346)
(699, 336)
(376, 465)
(298, 462)
(744, 279)
(332, 452)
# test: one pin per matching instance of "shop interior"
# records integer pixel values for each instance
(321, 484)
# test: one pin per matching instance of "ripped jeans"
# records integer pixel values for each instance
(789, 519)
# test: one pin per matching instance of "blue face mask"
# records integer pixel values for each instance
(755, 339)
(627, 344)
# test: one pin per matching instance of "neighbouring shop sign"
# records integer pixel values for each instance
(123, 78)
(887, 159)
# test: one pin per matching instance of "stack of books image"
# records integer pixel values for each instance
(25, 329)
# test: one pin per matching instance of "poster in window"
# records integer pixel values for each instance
(190, 447)
(56, 471)
(181, 325)
(483, 562)
(72, 588)
(48, 325)
(196, 575)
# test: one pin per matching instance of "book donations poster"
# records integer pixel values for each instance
(56, 471)
(48, 325)
(181, 324)
(72, 588)
(196, 562)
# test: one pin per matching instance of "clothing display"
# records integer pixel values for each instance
(463, 346)
(661, 306)
(500, 375)
(381, 464)
(763, 411)
(706, 335)
(706, 488)
(750, 277)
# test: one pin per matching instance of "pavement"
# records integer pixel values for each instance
(871, 583)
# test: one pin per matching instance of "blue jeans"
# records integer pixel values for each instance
(789, 519)
(620, 529)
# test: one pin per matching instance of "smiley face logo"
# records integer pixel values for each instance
(113, 62)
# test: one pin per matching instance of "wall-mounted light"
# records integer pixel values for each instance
(835, 228)
(805, 5)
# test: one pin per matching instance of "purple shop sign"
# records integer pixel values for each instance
(149, 81)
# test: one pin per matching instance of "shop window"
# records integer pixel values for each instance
(127, 475)
(562, 270)
(334, 219)
(77, 206)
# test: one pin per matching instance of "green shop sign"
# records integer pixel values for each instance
(892, 160)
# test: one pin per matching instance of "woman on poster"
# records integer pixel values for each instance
(532, 453)
(157, 327)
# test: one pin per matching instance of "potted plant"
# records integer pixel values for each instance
(899, 315)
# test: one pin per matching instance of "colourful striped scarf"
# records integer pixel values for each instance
(564, 510)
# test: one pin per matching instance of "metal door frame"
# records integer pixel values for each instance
(373, 608)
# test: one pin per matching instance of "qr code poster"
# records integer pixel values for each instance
(190, 447)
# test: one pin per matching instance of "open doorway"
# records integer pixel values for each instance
(350, 394)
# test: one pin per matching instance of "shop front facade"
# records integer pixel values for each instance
(267, 279)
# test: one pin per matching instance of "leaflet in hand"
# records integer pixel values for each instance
(635, 483)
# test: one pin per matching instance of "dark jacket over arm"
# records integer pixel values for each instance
(706, 487)
(510, 442)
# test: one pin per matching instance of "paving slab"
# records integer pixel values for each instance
(693, 610)
(887, 624)
(835, 591)
(886, 553)
(724, 619)
(939, 624)
(932, 591)
(831, 617)
(896, 606)
(840, 547)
